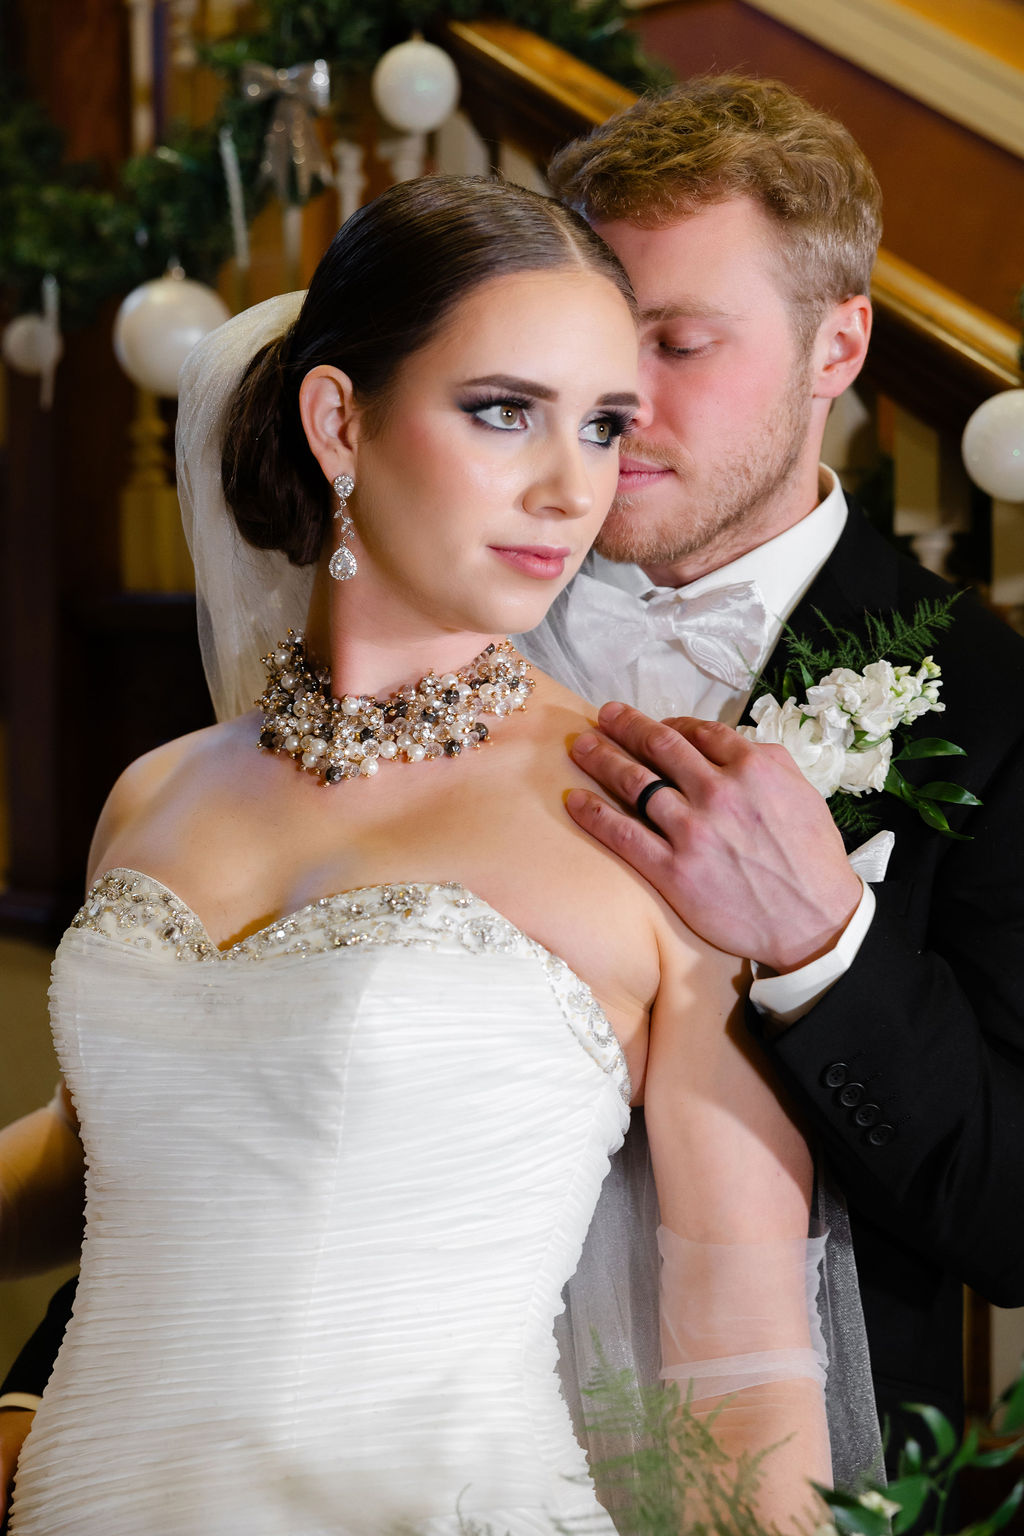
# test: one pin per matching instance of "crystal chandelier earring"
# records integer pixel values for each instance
(342, 564)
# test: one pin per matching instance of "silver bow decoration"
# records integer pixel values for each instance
(292, 144)
(723, 632)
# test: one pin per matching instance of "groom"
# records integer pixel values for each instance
(892, 1012)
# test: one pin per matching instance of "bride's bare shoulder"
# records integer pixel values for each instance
(180, 773)
(557, 697)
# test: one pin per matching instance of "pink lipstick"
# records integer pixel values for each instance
(537, 560)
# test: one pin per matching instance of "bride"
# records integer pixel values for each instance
(353, 1014)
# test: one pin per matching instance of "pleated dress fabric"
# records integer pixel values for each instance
(338, 1176)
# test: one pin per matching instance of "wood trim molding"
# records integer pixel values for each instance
(515, 85)
(981, 341)
(906, 47)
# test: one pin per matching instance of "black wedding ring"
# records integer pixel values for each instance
(644, 796)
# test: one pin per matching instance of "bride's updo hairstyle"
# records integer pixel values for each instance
(388, 281)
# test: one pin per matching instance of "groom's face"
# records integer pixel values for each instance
(729, 452)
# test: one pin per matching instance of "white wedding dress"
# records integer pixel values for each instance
(338, 1176)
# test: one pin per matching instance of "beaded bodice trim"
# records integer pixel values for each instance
(135, 909)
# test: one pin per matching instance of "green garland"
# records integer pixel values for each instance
(172, 203)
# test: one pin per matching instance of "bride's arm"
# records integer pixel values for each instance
(734, 1179)
(42, 1189)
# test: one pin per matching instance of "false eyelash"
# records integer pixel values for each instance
(481, 402)
(621, 421)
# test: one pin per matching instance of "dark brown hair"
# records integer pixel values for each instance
(706, 140)
(391, 276)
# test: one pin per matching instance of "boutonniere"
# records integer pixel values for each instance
(862, 695)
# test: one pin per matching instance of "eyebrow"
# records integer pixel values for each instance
(693, 310)
(537, 391)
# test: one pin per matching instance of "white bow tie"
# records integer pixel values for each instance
(724, 632)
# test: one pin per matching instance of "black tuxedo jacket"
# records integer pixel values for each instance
(911, 1069)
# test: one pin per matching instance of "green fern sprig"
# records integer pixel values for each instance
(672, 1475)
(902, 642)
(899, 639)
(851, 816)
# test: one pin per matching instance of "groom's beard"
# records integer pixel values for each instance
(706, 502)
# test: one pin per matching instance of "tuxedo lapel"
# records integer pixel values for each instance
(860, 575)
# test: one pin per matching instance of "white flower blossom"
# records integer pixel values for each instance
(814, 748)
(840, 736)
(866, 768)
(880, 709)
(877, 1501)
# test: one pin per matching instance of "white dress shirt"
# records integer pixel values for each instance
(663, 679)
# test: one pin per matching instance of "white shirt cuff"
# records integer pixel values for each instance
(20, 1400)
(787, 998)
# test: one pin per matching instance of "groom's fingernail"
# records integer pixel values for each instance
(610, 712)
(583, 744)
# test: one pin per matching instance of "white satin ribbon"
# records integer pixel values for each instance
(724, 632)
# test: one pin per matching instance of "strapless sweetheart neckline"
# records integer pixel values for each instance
(320, 904)
(366, 914)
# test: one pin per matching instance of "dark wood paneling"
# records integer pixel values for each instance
(74, 60)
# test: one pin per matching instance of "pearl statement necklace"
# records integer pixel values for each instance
(337, 739)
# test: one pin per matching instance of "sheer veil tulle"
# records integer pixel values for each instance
(246, 598)
(611, 1316)
(246, 601)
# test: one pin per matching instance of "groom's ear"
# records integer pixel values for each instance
(331, 419)
(840, 347)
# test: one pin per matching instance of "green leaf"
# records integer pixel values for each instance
(854, 1518)
(968, 1450)
(895, 783)
(930, 814)
(998, 1457)
(1007, 1509)
(911, 1457)
(942, 1431)
(1010, 1407)
(954, 794)
(930, 746)
(910, 1494)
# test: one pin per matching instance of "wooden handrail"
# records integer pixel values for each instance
(932, 351)
(517, 87)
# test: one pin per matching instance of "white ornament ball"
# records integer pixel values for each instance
(993, 446)
(415, 86)
(32, 345)
(158, 325)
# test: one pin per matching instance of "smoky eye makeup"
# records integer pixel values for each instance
(505, 412)
(617, 423)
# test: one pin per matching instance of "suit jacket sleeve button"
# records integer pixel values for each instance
(851, 1095)
(867, 1114)
(880, 1135)
(835, 1075)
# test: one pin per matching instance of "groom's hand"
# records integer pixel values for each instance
(748, 854)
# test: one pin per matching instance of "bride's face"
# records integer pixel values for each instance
(486, 481)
